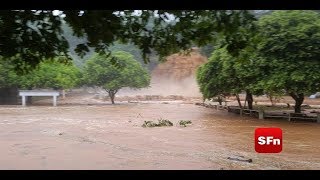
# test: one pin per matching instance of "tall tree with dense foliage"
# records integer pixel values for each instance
(8, 77)
(289, 42)
(224, 74)
(37, 35)
(51, 74)
(211, 78)
(124, 72)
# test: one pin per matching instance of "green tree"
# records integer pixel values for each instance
(51, 74)
(224, 74)
(124, 72)
(37, 35)
(289, 44)
(8, 77)
(217, 77)
(136, 52)
(210, 78)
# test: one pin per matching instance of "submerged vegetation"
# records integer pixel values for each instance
(165, 122)
(161, 122)
(184, 123)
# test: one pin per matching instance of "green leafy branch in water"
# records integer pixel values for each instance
(161, 122)
(184, 123)
(164, 122)
(149, 124)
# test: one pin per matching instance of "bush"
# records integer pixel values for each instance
(161, 122)
(184, 123)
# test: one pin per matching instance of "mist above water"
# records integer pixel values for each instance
(165, 87)
(176, 76)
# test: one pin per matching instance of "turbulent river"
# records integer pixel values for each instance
(111, 137)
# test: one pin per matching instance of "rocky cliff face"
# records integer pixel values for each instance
(174, 77)
(177, 75)
(178, 67)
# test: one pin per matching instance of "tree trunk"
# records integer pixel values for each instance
(239, 102)
(271, 100)
(220, 100)
(112, 94)
(112, 98)
(299, 100)
(249, 99)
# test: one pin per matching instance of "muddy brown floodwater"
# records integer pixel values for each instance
(111, 137)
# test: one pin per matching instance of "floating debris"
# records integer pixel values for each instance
(184, 123)
(162, 122)
(240, 159)
(149, 124)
